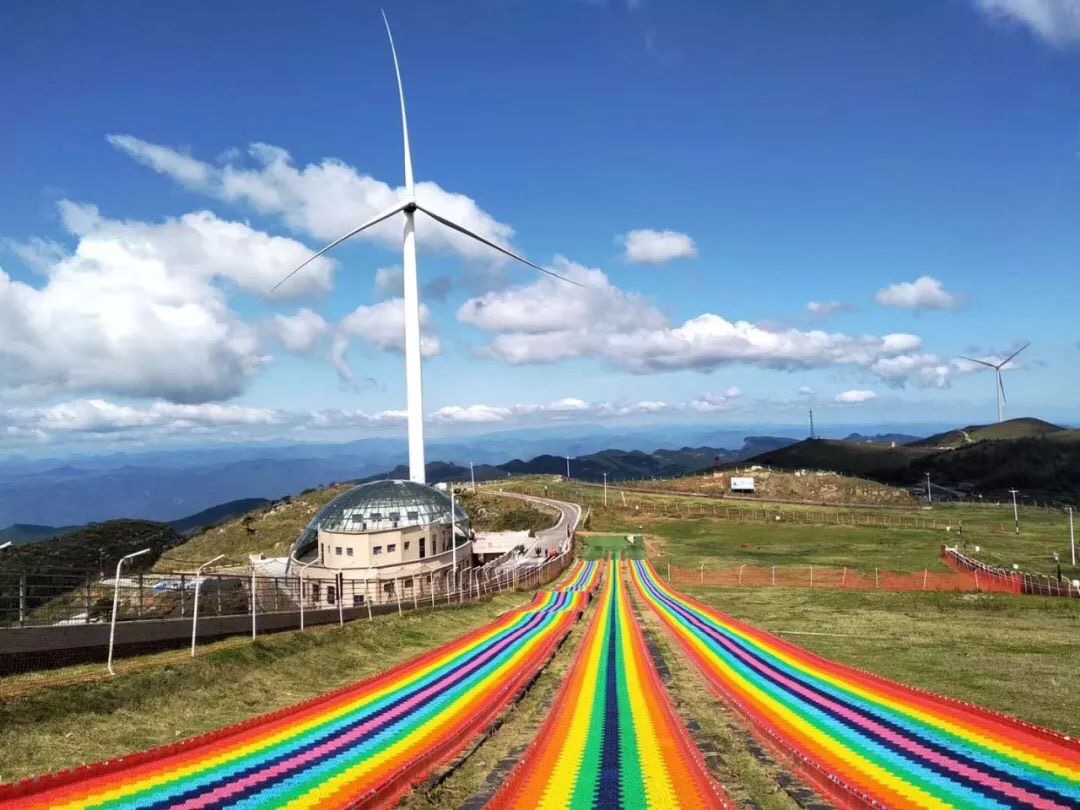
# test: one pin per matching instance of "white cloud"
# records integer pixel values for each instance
(390, 282)
(825, 309)
(925, 292)
(805, 391)
(1056, 21)
(646, 246)
(329, 418)
(473, 414)
(324, 199)
(383, 326)
(547, 321)
(300, 333)
(709, 403)
(853, 397)
(101, 416)
(141, 309)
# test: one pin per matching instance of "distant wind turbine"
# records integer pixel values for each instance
(408, 206)
(1000, 387)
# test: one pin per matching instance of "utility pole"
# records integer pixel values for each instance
(568, 468)
(1016, 511)
(453, 532)
(605, 489)
(929, 494)
(472, 475)
(1072, 537)
(811, 423)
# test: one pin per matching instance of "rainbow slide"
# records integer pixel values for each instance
(611, 739)
(360, 746)
(864, 740)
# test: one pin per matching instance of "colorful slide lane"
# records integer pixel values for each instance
(861, 739)
(611, 739)
(361, 746)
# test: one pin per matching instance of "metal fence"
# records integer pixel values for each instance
(50, 598)
(60, 641)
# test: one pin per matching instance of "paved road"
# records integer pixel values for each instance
(569, 517)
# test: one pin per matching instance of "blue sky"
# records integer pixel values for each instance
(911, 168)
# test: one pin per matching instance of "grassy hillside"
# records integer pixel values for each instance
(851, 458)
(786, 486)
(269, 530)
(1023, 428)
(497, 513)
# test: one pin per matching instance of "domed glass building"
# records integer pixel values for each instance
(398, 524)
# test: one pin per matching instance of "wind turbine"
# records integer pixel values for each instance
(408, 206)
(1000, 387)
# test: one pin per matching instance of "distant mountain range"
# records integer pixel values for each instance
(1039, 458)
(26, 533)
(171, 485)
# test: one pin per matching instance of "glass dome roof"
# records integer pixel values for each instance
(380, 505)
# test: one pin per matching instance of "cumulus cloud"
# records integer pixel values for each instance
(646, 246)
(324, 199)
(383, 326)
(709, 403)
(925, 292)
(474, 414)
(854, 397)
(301, 332)
(1056, 21)
(102, 416)
(547, 321)
(825, 309)
(141, 308)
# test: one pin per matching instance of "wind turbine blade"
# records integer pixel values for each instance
(373, 221)
(980, 362)
(404, 120)
(1011, 356)
(1001, 385)
(489, 243)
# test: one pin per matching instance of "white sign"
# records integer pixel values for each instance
(742, 484)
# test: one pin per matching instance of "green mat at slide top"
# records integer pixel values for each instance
(597, 547)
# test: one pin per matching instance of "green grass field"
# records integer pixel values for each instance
(63, 726)
(727, 532)
(1013, 654)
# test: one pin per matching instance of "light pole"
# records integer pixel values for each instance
(4, 545)
(116, 601)
(1072, 537)
(304, 568)
(1016, 511)
(605, 490)
(472, 475)
(929, 494)
(568, 468)
(195, 610)
(453, 534)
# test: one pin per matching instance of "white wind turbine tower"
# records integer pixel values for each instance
(409, 206)
(1000, 387)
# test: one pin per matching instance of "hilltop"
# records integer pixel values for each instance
(1023, 428)
(1037, 457)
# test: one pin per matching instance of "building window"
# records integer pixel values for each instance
(376, 550)
(358, 600)
(391, 548)
(337, 550)
(331, 594)
(348, 551)
(413, 515)
(423, 541)
(406, 545)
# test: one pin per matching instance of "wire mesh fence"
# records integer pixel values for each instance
(56, 625)
(967, 576)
